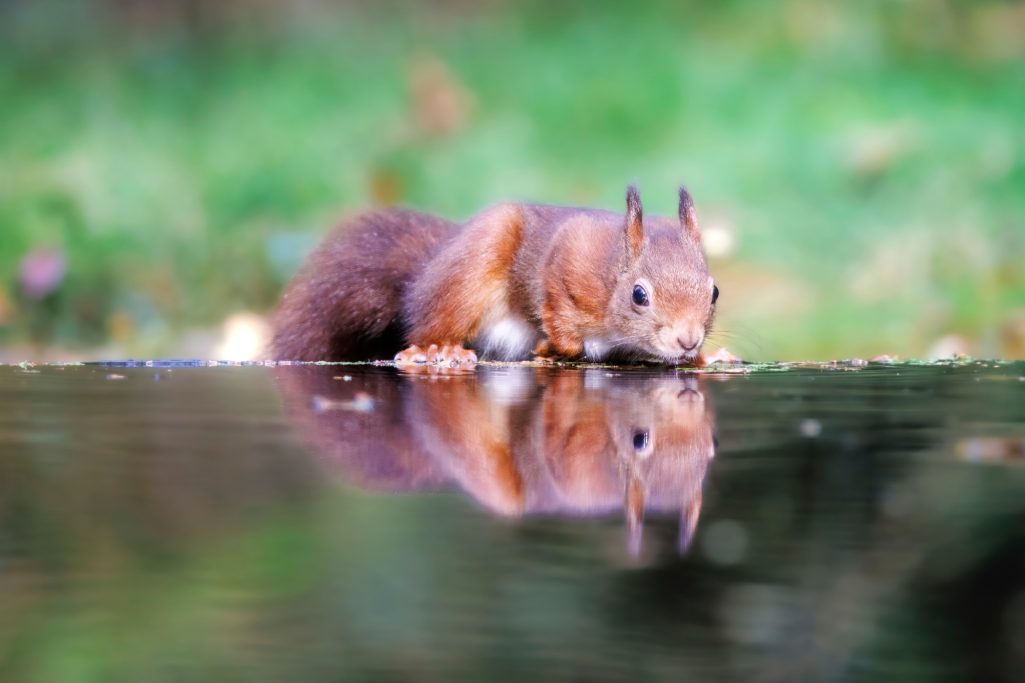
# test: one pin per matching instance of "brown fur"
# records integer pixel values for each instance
(579, 278)
(471, 440)
(466, 280)
(343, 305)
(395, 278)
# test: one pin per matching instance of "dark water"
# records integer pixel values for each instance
(350, 523)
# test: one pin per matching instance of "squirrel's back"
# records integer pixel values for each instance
(346, 303)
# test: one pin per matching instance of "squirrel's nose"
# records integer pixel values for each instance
(688, 343)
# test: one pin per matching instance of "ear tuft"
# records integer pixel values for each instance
(634, 509)
(634, 222)
(688, 216)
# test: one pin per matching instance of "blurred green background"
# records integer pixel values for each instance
(859, 167)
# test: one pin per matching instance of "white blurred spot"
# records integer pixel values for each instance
(362, 402)
(511, 386)
(245, 337)
(810, 428)
(950, 346)
(719, 239)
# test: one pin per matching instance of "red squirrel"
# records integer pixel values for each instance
(515, 281)
(522, 441)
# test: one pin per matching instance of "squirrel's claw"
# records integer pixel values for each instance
(412, 356)
(449, 354)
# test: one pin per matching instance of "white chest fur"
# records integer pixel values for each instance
(508, 338)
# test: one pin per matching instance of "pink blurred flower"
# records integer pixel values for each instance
(42, 271)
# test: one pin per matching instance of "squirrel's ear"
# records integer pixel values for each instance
(688, 216)
(634, 222)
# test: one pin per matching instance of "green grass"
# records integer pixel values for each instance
(871, 160)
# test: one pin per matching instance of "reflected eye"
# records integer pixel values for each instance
(640, 296)
(640, 441)
(715, 294)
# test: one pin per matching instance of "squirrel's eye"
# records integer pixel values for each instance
(640, 296)
(715, 294)
(640, 441)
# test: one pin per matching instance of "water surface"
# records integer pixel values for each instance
(334, 523)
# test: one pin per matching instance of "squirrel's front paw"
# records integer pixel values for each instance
(449, 354)
(453, 354)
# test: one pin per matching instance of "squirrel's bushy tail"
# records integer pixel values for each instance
(346, 303)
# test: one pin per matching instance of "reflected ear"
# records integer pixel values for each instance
(634, 508)
(688, 216)
(634, 222)
(689, 522)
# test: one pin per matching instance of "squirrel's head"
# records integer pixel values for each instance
(640, 442)
(664, 300)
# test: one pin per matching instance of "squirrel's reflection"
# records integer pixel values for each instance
(518, 440)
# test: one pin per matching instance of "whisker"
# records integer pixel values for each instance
(621, 340)
(716, 337)
(744, 339)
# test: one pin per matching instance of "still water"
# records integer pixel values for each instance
(336, 523)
